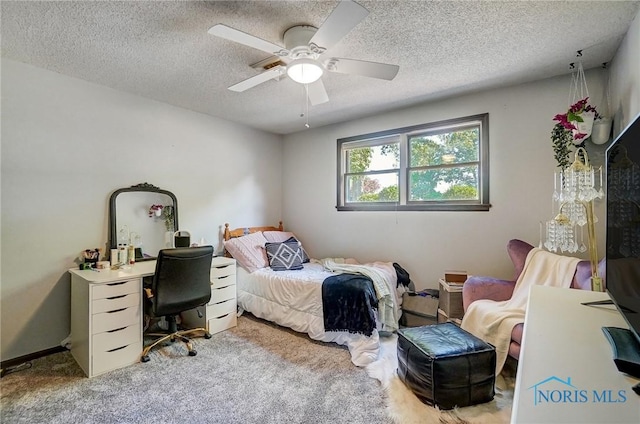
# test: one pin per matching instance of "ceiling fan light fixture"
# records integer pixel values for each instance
(304, 70)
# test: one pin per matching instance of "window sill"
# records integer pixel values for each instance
(402, 208)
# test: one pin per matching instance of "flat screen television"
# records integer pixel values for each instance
(622, 277)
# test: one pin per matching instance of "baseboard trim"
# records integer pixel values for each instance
(30, 357)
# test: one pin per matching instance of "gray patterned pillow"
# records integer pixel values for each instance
(305, 257)
(284, 256)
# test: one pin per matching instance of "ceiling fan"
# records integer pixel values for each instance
(302, 58)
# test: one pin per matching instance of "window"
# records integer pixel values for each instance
(438, 166)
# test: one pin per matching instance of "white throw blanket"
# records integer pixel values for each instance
(381, 278)
(493, 321)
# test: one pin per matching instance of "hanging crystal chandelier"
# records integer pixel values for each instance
(575, 189)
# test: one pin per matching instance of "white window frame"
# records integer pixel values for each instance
(480, 121)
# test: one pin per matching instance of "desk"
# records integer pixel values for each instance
(566, 372)
(107, 312)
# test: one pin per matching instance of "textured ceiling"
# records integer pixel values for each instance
(162, 51)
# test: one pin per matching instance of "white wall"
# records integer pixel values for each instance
(67, 145)
(625, 78)
(428, 243)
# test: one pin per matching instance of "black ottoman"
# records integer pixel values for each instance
(446, 366)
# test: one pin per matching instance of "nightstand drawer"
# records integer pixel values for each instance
(115, 338)
(116, 302)
(215, 325)
(223, 308)
(107, 321)
(104, 361)
(223, 281)
(102, 291)
(222, 294)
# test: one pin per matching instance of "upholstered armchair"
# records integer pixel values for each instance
(477, 287)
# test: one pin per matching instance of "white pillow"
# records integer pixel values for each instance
(278, 236)
(248, 251)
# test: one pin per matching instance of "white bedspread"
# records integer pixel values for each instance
(294, 299)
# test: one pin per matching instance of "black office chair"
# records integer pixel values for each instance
(181, 282)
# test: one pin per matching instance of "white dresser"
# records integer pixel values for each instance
(107, 312)
(221, 311)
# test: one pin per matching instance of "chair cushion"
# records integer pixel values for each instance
(516, 333)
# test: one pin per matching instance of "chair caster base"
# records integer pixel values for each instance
(145, 358)
(192, 353)
(207, 336)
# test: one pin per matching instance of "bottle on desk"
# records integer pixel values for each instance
(122, 254)
(132, 254)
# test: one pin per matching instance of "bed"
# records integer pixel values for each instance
(294, 298)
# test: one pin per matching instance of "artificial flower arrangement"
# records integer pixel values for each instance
(572, 129)
(166, 212)
(155, 210)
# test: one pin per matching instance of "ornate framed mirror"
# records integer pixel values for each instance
(145, 216)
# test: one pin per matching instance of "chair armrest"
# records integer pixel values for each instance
(477, 287)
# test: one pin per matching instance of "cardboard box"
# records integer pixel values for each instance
(451, 299)
(455, 276)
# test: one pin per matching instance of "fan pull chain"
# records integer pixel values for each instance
(305, 105)
(306, 89)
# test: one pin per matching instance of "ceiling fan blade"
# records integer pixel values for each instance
(343, 19)
(238, 36)
(258, 79)
(364, 68)
(317, 93)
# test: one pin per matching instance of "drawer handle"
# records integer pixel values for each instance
(118, 348)
(222, 316)
(116, 297)
(226, 276)
(223, 287)
(117, 284)
(116, 310)
(117, 329)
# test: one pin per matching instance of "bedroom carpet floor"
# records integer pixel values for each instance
(257, 372)
(254, 373)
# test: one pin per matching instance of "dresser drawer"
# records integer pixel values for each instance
(119, 357)
(115, 302)
(101, 291)
(113, 320)
(215, 325)
(222, 308)
(223, 270)
(222, 294)
(108, 340)
(223, 281)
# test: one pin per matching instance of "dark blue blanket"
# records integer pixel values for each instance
(348, 303)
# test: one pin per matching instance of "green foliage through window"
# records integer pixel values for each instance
(439, 166)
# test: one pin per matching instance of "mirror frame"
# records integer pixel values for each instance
(142, 187)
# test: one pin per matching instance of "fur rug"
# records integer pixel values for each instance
(404, 407)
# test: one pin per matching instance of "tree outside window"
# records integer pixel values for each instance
(438, 166)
